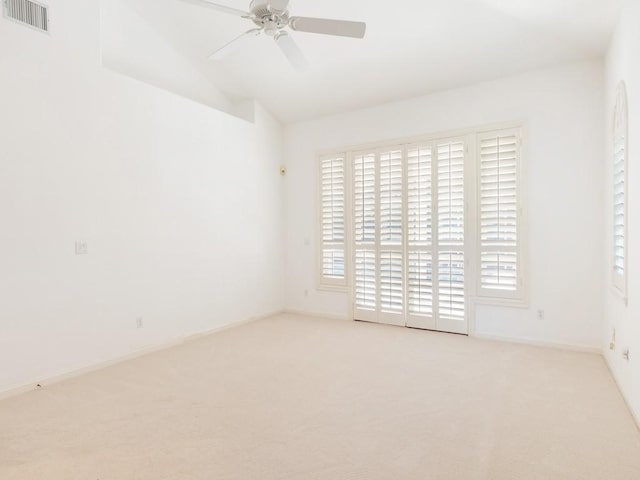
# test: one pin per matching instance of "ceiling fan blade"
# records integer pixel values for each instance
(234, 44)
(291, 50)
(278, 6)
(219, 8)
(341, 28)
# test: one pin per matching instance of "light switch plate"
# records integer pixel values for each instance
(82, 248)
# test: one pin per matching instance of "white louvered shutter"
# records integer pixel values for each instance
(364, 224)
(621, 126)
(498, 214)
(420, 237)
(391, 232)
(450, 225)
(619, 199)
(332, 212)
(409, 248)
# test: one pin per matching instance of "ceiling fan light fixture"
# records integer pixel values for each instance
(272, 18)
(271, 27)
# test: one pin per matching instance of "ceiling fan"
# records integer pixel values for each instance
(272, 18)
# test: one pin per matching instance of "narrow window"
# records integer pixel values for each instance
(332, 220)
(620, 125)
(500, 239)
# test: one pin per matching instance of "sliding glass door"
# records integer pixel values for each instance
(409, 236)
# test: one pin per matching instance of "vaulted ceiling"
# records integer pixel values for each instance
(412, 47)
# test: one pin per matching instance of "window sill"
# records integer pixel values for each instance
(332, 288)
(500, 302)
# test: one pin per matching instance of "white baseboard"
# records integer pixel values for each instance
(484, 336)
(303, 313)
(538, 343)
(636, 416)
(30, 386)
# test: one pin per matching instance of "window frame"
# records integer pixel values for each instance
(620, 127)
(518, 297)
(471, 248)
(327, 283)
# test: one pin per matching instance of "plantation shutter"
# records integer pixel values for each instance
(364, 223)
(391, 232)
(332, 212)
(420, 288)
(411, 259)
(499, 213)
(619, 187)
(620, 135)
(450, 225)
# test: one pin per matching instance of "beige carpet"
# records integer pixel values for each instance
(298, 398)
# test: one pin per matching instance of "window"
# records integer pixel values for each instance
(499, 213)
(423, 226)
(332, 221)
(620, 126)
(409, 234)
(364, 205)
(391, 232)
(420, 232)
(450, 212)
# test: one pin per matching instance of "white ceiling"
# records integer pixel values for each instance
(412, 47)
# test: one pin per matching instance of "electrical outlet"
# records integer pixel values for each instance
(82, 248)
(540, 314)
(139, 322)
(625, 354)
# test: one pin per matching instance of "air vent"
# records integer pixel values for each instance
(28, 13)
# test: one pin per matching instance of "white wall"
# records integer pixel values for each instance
(563, 108)
(131, 46)
(622, 64)
(181, 205)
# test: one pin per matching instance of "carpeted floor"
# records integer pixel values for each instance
(298, 398)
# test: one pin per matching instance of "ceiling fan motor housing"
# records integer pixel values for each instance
(264, 17)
